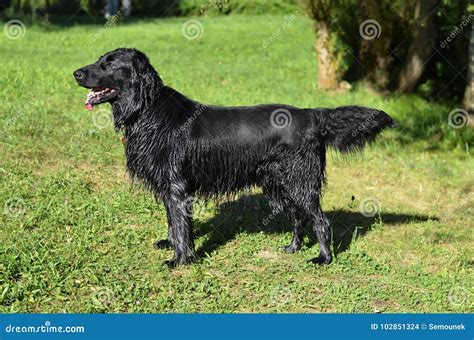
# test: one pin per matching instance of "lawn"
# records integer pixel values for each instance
(77, 235)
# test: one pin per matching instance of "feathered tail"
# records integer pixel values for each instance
(349, 128)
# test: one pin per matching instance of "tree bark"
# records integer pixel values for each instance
(468, 94)
(320, 11)
(327, 79)
(421, 47)
(374, 53)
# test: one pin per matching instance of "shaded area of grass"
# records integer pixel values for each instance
(76, 236)
(246, 214)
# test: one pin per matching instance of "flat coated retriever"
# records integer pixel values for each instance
(180, 148)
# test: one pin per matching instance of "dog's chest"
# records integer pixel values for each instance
(146, 157)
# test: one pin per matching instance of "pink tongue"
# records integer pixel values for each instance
(89, 106)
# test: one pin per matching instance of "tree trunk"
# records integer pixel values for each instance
(374, 49)
(327, 79)
(468, 94)
(421, 47)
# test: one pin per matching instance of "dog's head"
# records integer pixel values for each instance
(125, 79)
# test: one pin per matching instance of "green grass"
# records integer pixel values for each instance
(76, 235)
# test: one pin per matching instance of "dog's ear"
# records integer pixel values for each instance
(145, 87)
(145, 79)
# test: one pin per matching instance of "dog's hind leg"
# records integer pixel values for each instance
(278, 204)
(280, 201)
(319, 223)
(290, 189)
(322, 229)
(299, 223)
(307, 203)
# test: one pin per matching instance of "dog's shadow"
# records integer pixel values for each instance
(252, 214)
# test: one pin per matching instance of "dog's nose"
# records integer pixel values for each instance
(79, 74)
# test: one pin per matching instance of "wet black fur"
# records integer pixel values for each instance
(180, 148)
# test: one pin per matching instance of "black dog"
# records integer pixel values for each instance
(180, 148)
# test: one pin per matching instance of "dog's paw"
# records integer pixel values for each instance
(291, 248)
(320, 260)
(163, 244)
(179, 261)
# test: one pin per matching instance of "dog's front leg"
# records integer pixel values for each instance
(179, 210)
(165, 244)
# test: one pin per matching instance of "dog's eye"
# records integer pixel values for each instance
(105, 65)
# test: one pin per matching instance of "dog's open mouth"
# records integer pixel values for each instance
(99, 95)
